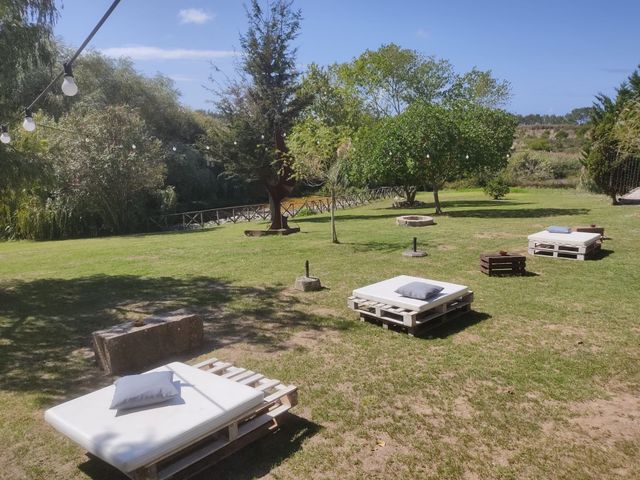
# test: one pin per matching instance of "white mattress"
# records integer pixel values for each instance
(131, 439)
(384, 292)
(578, 239)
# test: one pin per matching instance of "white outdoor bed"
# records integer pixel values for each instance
(147, 442)
(380, 302)
(574, 245)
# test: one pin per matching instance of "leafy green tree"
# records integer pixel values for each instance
(390, 78)
(110, 170)
(431, 144)
(607, 157)
(480, 88)
(319, 152)
(381, 155)
(261, 111)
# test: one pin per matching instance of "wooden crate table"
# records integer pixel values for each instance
(127, 347)
(495, 263)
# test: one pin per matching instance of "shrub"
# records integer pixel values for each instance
(496, 188)
(539, 144)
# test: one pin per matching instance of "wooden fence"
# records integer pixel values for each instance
(247, 213)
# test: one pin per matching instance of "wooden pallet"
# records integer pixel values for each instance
(558, 250)
(494, 263)
(186, 462)
(410, 320)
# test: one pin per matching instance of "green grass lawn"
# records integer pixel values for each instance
(541, 380)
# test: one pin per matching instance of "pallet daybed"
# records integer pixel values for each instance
(574, 245)
(221, 408)
(380, 304)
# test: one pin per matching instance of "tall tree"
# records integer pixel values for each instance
(607, 156)
(265, 106)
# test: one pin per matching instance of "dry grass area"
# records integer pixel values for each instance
(541, 380)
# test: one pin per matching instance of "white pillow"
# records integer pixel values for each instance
(134, 391)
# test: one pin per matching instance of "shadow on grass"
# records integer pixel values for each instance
(602, 253)
(456, 325)
(46, 325)
(383, 247)
(254, 461)
(518, 212)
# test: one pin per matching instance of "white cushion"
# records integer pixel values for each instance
(385, 292)
(578, 239)
(135, 438)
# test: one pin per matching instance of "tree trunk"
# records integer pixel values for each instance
(334, 235)
(283, 186)
(436, 200)
(410, 194)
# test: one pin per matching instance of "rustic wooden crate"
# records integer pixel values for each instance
(411, 321)
(558, 250)
(261, 420)
(494, 263)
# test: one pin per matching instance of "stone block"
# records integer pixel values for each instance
(131, 347)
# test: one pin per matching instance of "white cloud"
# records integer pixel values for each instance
(156, 53)
(194, 15)
(422, 33)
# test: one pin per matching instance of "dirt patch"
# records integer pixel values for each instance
(610, 420)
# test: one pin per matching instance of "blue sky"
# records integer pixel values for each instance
(556, 54)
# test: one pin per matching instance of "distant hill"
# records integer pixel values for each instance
(577, 116)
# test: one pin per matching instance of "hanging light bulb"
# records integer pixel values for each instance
(428, 156)
(134, 146)
(69, 87)
(235, 142)
(508, 155)
(29, 125)
(4, 136)
(467, 156)
(261, 137)
(284, 134)
(174, 149)
(208, 147)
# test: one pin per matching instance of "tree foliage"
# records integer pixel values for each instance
(430, 144)
(610, 156)
(318, 152)
(109, 173)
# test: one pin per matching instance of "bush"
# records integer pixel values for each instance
(496, 188)
(541, 144)
(525, 167)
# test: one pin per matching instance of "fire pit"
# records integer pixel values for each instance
(414, 220)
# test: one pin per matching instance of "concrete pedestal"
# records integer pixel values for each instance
(128, 348)
(411, 253)
(308, 284)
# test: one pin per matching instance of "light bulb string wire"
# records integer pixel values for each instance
(74, 57)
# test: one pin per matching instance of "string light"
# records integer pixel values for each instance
(4, 136)
(134, 146)
(428, 156)
(28, 124)
(69, 87)
(467, 156)
(174, 149)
